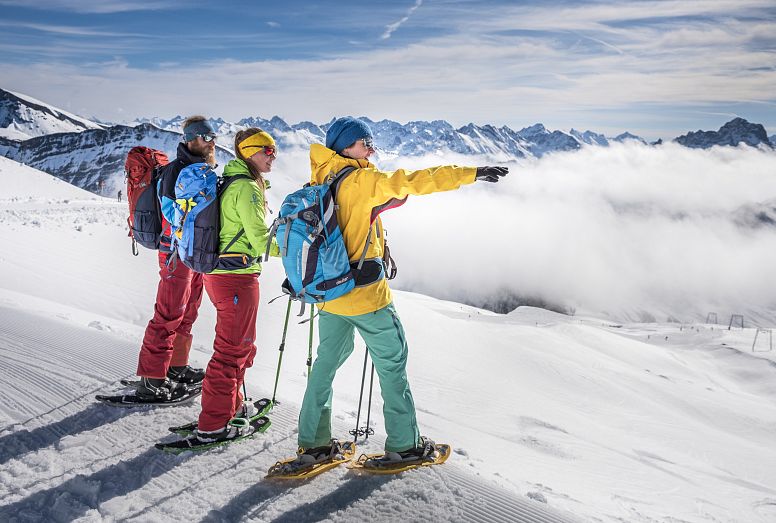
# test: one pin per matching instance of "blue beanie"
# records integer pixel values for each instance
(344, 132)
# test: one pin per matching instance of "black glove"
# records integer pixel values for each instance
(491, 174)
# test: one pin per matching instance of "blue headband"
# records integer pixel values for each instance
(200, 128)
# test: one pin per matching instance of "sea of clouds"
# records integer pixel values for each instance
(632, 231)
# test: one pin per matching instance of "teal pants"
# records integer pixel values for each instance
(384, 336)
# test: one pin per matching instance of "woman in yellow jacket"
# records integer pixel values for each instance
(361, 196)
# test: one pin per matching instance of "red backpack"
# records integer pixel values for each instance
(145, 214)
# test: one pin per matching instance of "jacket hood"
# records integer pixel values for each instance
(236, 166)
(187, 157)
(325, 162)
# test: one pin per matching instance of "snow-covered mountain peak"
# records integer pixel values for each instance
(23, 117)
(626, 136)
(533, 130)
(589, 137)
(734, 132)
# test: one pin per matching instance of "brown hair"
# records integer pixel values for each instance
(191, 119)
(239, 137)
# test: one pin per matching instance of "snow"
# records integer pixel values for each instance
(30, 117)
(552, 417)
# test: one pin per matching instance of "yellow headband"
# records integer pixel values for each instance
(254, 142)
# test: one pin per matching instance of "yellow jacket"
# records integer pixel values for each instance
(362, 194)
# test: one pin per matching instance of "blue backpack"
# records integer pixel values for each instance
(312, 249)
(196, 228)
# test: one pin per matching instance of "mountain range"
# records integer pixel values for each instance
(90, 154)
(93, 159)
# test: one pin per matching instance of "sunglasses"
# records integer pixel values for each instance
(207, 137)
(268, 150)
(368, 143)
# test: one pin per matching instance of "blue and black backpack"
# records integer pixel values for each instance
(197, 223)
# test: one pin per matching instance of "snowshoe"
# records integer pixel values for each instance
(311, 462)
(238, 429)
(186, 374)
(425, 454)
(254, 410)
(167, 395)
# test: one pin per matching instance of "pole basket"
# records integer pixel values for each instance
(363, 431)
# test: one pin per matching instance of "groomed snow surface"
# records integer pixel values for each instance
(552, 417)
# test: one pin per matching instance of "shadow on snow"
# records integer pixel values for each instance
(21, 442)
(252, 501)
(78, 495)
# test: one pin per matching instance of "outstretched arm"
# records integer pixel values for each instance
(382, 185)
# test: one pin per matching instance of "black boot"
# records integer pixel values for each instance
(186, 374)
(155, 389)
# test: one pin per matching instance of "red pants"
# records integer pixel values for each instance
(236, 297)
(167, 339)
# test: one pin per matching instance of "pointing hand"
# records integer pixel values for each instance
(491, 174)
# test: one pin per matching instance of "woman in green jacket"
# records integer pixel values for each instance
(234, 286)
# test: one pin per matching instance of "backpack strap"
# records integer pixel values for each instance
(222, 185)
(366, 247)
(236, 237)
(334, 182)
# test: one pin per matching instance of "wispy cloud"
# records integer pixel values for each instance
(390, 28)
(90, 6)
(273, 24)
(67, 30)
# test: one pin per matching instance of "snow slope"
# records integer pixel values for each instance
(553, 418)
(23, 117)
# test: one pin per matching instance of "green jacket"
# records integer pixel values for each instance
(243, 207)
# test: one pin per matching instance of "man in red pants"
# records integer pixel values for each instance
(164, 355)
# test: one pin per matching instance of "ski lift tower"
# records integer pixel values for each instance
(765, 332)
(736, 318)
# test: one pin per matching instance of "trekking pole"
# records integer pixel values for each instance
(280, 350)
(369, 431)
(245, 393)
(310, 346)
(355, 431)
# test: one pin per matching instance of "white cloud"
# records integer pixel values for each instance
(619, 230)
(391, 28)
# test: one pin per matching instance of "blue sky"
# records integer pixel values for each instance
(655, 68)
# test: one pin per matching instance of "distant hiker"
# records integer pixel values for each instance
(119, 195)
(163, 363)
(368, 308)
(233, 287)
